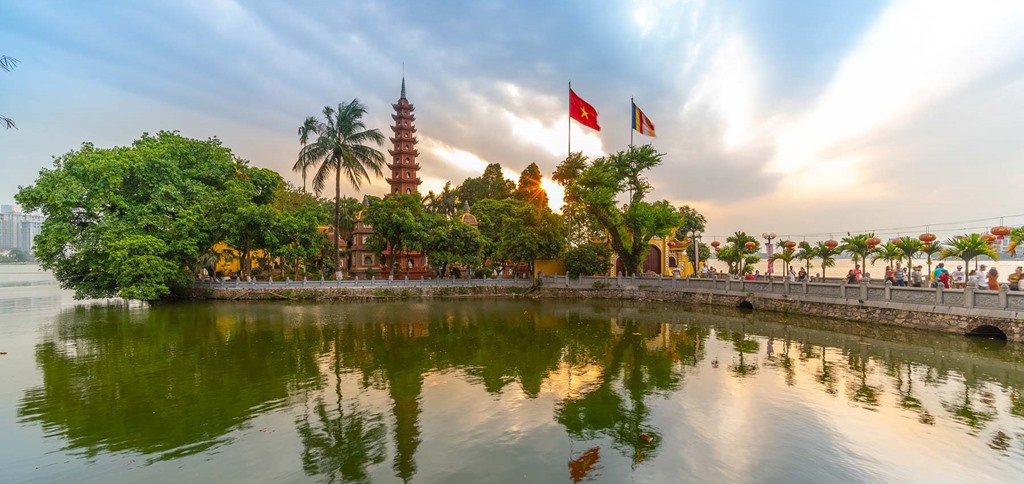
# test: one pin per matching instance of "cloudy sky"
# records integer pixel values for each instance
(800, 117)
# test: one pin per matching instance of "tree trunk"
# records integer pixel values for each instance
(337, 219)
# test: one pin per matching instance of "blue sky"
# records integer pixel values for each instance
(803, 118)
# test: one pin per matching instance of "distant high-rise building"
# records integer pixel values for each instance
(31, 226)
(10, 229)
(17, 229)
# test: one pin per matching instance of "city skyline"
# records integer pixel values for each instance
(773, 116)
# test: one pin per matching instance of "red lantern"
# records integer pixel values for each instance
(872, 242)
(789, 244)
(750, 245)
(1001, 231)
(988, 238)
(715, 244)
(927, 238)
(718, 249)
(831, 244)
(895, 241)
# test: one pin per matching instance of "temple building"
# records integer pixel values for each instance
(404, 179)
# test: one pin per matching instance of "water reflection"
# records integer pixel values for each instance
(177, 380)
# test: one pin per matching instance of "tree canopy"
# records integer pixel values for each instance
(131, 221)
(491, 184)
(595, 187)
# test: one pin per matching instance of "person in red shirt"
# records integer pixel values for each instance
(944, 278)
(749, 277)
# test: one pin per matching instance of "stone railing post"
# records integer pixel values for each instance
(566, 279)
(969, 296)
(1004, 295)
(842, 289)
(674, 281)
(618, 281)
(888, 290)
(270, 281)
(804, 289)
(938, 293)
(785, 286)
(863, 290)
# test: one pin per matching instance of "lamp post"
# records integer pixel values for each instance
(768, 236)
(696, 253)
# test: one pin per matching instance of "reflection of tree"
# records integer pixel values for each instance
(826, 376)
(623, 418)
(861, 392)
(786, 363)
(155, 383)
(691, 344)
(965, 411)
(339, 445)
(742, 345)
(1016, 403)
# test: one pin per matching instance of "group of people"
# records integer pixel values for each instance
(958, 279)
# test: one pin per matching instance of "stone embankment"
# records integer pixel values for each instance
(314, 291)
(928, 309)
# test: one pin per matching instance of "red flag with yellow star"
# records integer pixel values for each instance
(583, 112)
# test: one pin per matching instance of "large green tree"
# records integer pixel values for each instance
(515, 231)
(398, 225)
(131, 221)
(340, 147)
(529, 189)
(735, 253)
(597, 185)
(449, 241)
(491, 184)
(857, 245)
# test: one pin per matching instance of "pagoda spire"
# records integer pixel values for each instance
(403, 88)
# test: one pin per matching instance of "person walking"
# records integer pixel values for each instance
(993, 279)
(916, 276)
(899, 276)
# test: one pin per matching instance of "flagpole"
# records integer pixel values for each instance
(568, 153)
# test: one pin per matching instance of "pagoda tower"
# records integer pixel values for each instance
(403, 164)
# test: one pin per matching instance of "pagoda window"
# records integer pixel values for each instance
(408, 191)
(367, 260)
(406, 160)
(409, 263)
(407, 174)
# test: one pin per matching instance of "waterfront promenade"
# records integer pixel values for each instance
(962, 311)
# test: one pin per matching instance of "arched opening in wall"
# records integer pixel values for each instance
(745, 305)
(987, 331)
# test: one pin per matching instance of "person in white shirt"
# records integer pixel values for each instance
(981, 282)
(959, 278)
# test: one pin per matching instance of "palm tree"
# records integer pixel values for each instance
(307, 127)
(932, 250)
(806, 254)
(340, 147)
(1016, 239)
(828, 258)
(786, 256)
(910, 247)
(890, 253)
(969, 247)
(857, 245)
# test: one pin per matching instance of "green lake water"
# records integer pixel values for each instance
(489, 391)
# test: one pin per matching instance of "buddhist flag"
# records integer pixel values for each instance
(642, 124)
(583, 112)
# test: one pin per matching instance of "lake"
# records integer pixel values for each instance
(471, 390)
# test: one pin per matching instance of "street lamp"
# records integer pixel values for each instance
(696, 253)
(768, 236)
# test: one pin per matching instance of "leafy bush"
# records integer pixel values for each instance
(588, 260)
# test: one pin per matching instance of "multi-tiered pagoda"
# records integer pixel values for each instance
(403, 164)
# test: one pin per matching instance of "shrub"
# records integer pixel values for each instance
(588, 260)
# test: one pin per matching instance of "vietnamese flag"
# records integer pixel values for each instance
(583, 112)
